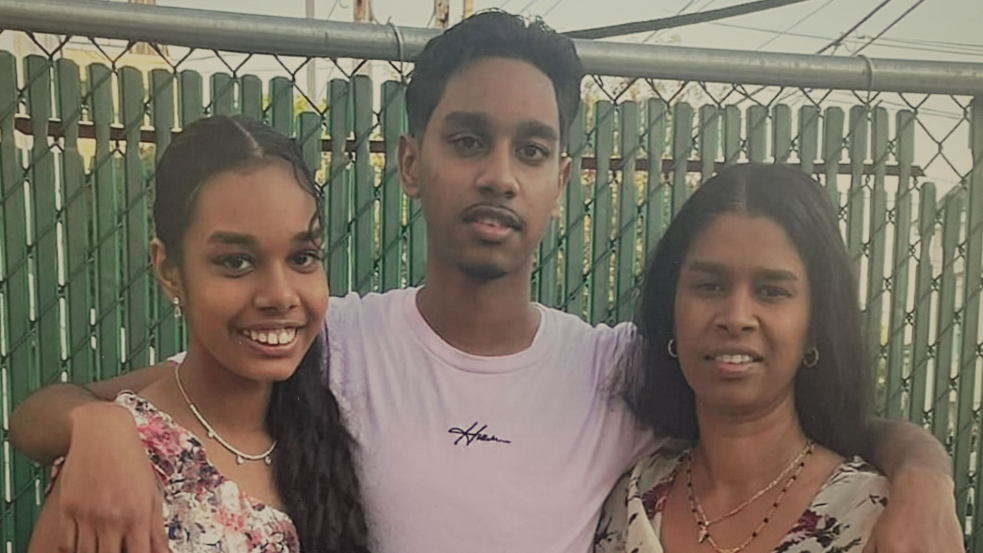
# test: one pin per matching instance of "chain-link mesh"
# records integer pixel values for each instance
(82, 121)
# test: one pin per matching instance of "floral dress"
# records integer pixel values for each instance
(838, 520)
(204, 511)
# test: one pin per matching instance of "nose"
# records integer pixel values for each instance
(498, 178)
(278, 292)
(736, 315)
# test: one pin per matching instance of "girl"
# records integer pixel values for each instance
(246, 440)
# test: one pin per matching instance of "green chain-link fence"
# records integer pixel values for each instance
(82, 120)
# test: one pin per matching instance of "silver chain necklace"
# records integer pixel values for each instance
(241, 456)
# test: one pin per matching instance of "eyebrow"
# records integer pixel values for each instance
(529, 128)
(537, 129)
(471, 119)
(770, 275)
(239, 239)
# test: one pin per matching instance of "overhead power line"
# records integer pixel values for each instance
(888, 28)
(785, 31)
(839, 40)
(680, 20)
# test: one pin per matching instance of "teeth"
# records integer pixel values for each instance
(734, 359)
(272, 337)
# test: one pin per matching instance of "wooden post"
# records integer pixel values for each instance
(442, 13)
(362, 10)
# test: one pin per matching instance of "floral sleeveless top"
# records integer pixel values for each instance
(203, 510)
(839, 519)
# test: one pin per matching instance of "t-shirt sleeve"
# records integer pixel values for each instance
(640, 440)
(341, 324)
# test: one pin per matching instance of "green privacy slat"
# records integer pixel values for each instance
(627, 233)
(37, 71)
(602, 212)
(809, 137)
(878, 235)
(833, 151)
(190, 99)
(282, 105)
(309, 139)
(575, 213)
(971, 346)
(546, 290)
(682, 147)
(393, 106)
(732, 135)
(364, 200)
(136, 219)
(709, 137)
(944, 343)
(77, 193)
(965, 418)
(162, 83)
(9, 174)
(222, 92)
(781, 138)
(20, 359)
(339, 188)
(417, 245)
(856, 202)
(658, 194)
(923, 321)
(757, 133)
(905, 154)
(108, 241)
(251, 97)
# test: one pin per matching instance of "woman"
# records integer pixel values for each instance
(247, 442)
(749, 355)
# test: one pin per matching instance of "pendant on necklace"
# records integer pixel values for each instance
(239, 460)
(267, 459)
(704, 533)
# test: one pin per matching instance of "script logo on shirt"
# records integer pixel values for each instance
(475, 434)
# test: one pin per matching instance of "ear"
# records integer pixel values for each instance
(166, 270)
(565, 166)
(409, 155)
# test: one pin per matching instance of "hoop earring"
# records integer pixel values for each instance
(671, 348)
(177, 307)
(811, 358)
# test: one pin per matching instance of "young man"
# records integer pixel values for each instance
(483, 418)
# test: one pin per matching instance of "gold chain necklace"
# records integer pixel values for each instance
(241, 456)
(704, 523)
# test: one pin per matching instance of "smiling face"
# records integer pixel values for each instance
(742, 314)
(488, 169)
(250, 280)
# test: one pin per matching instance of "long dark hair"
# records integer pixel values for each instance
(314, 464)
(832, 398)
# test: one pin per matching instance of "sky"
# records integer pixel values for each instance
(936, 30)
(950, 30)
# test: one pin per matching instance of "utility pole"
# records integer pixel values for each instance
(311, 64)
(362, 9)
(442, 13)
(143, 48)
(468, 8)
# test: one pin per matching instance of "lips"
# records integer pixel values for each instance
(493, 216)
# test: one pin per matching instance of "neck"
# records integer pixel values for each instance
(740, 454)
(227, 401)
(481, 317)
